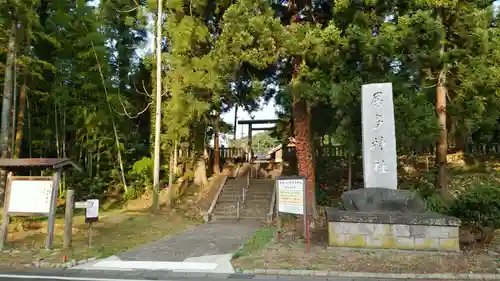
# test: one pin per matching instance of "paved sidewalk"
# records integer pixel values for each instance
(206, 239)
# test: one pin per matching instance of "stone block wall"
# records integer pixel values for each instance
(393, 236)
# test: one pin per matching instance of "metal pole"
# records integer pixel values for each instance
(306, 215)
(238, 210)
(278, 219)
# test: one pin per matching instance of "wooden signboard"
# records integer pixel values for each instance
(30, 196)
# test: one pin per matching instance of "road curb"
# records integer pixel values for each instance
(42, 264)
(319, 273)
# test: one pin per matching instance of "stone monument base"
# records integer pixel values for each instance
(391, 230)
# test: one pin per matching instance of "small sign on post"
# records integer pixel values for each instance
(291, 199)
(91, 207)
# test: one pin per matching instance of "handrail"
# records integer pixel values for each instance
(208, 214)
(238, 209)
(237, 171)
(270, 214)
(247, 186)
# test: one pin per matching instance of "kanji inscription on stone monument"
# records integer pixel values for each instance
(379, 138)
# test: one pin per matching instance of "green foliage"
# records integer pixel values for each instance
(142, 170)
(478, 205)
(86, 81)
(435, 203)
(322, 196)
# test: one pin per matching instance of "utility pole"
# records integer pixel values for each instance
(235, 120)
(156, 169)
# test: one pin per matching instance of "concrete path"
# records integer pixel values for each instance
(203, 240)
(205, 248)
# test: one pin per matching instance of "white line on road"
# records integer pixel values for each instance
(43, 277)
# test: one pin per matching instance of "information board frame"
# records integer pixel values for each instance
(13, 179)
(278, 181)
(52, 210)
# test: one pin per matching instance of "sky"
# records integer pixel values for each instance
(267, 111)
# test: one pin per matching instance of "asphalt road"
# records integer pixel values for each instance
(141, 275)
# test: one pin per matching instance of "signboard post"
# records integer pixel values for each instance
(30, 196)
(291, 199)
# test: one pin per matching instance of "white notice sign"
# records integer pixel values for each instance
(291, 196)
(92, 211)
(30, 196)
(379, 138)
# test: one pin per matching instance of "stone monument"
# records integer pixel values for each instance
(379, 138)
(380, 215)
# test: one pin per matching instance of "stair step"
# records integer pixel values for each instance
(258, 200)
(252, 188)
(228, 200)
(260, 211)
(225, 208)
(263, 207)
(263, 196)
(233, 218)
(259, 192)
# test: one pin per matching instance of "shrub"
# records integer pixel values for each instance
(140, 178)
(435, 203)
(478, 205)
(133, 193)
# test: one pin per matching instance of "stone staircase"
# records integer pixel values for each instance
(257, 200)
(226, 207)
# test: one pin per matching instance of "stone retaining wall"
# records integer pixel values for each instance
(393, 236)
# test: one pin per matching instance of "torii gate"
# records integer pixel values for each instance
(250, 124)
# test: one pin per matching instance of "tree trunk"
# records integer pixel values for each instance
(14, 109)
(22, 107)
(172, 173)
(442, 143)
(349, 170)
(216, 167)
(200, 172)
(312, 148)
(303, 149)
(7, 93)
(6, 104)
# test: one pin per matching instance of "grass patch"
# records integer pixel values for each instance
(114, 233)
(259, 240)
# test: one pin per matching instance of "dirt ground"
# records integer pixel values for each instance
(292, 253)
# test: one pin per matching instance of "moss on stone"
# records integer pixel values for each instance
(425, 243)
(449, 244)
(388, 242)
(356, 241)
